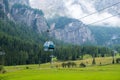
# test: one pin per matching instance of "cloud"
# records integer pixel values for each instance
(78, 9)
(103, 19)
(75, 9)
(49, 7)
(113, 21)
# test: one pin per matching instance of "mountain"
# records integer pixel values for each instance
(70, 31)
(21, 42)
(63, 27)
(11, 21)
(70, 15)
(20, 12)
(107, 36)
(33, 18)
(74, 31)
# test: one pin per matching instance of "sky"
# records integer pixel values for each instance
(75, 9)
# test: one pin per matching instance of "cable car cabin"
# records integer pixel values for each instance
(49, 46)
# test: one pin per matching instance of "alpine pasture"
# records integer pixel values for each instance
(99, 71)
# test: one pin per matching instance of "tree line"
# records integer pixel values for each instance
(19, 52)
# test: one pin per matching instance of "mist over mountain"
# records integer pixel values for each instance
(80, 8)
(62, 15)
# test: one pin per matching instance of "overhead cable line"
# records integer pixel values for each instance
(99, 10)
(102, 19)
(98, 21)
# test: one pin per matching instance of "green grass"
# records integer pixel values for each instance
(107, 72)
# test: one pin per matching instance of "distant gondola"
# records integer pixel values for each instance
(49, 46)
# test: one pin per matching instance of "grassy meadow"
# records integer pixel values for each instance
(106, 71)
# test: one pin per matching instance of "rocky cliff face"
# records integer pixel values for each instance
(2, 9)
(19, 11)
(73, 32)
(33, 18)
(2, 6)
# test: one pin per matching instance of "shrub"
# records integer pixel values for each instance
(27, 67)
(113, 61)
(93, 62)
(63, 65)
(86, 56)
(4, 71)
(69, 64)
(82, 65)
(118, 60)
(1, 68)
(73, 64)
